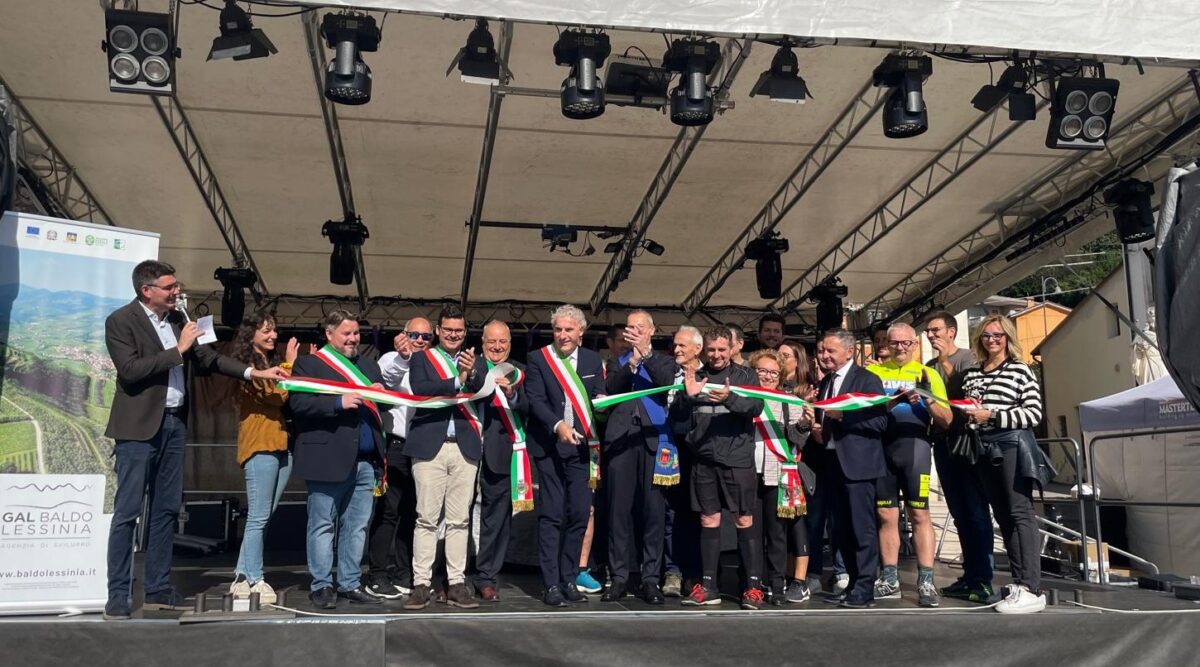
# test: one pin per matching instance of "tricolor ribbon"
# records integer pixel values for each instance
(844, 402)
(520, 472)
(444, 366)
(387, 397)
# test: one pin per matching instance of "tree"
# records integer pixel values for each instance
(1076, 282)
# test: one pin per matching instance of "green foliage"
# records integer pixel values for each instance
(1075, 281)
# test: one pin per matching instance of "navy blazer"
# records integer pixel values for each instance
(629, 420)
(858, 434)
(428, 426)
(546, 399)
(497, 446)
(326, 435)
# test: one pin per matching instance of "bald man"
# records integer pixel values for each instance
(389, 552)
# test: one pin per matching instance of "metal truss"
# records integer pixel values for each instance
(495, 100)
(685, 142)
(984, 135)
(950, 275)
(849, 122)
(48, 176)
(337, 152)
(173, 117)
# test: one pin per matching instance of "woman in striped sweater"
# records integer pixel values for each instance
(1010, 401)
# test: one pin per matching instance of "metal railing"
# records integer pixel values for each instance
(1098, 501)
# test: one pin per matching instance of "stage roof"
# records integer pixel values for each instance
(897, 220)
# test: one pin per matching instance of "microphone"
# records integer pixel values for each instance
(181, 305)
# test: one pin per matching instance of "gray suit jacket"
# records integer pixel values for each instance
(143, 367)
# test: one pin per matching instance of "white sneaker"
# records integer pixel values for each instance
(266, 594)
(240, 589)
(1021, 600)
(841, 583)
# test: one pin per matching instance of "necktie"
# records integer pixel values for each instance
(568, 413)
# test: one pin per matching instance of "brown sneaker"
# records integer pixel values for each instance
(460, 596)
(419, 599)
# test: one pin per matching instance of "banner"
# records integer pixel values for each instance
(59, 280)
(53, 544)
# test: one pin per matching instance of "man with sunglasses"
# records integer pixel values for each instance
(389, 553)
(152, 346)
(908, 453)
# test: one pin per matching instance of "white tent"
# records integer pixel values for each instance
(1161, 467)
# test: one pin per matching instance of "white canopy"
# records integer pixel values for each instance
(1158, 404)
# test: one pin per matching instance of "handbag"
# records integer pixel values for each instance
(965, 442)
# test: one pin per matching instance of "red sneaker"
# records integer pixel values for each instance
(702, 596)
(753, 599)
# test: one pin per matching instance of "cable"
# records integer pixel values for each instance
(1132, 611)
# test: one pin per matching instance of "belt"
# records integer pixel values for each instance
(177, 410)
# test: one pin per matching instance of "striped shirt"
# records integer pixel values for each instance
(1011, 392)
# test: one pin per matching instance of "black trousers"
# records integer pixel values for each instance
(391, 538)
(781, 536)
(563, 505)
(495, 521)
(820, 508)
(1011, 498)
(856, 533)
(637, 511)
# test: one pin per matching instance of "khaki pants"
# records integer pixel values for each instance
(445, 487)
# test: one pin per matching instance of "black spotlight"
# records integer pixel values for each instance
(654, 248)
(692, 100)
(905, 114)
(1013, 83)
(559, 236)
(768, 268)
(613, 247)
(584, 52)
(828, 295)
(239, 39)
(477, 61)
(141, 52)
(1081, 113)
(347, 77)
(1132, 210)
(782, 83)
(345, 235)
(233, 300)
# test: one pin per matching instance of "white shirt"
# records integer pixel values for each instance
(395, 377)
(835, 388)
(166, 335)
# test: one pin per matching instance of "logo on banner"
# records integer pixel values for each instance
(72, 237)
(49, 511)
(51, 235)
(30, 230)
(118, 244)
(89, 239)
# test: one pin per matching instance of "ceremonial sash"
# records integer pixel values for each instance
(443, 365)
(666, 459)
(577, 397)
(345, 368)
(520, 472)
(790, 501)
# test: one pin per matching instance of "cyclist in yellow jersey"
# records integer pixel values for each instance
(908, 453)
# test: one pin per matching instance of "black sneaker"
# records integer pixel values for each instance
(571, 593)
(382, 588)
(117, 609)
(323, 598)
(359, 596)
(167, 600)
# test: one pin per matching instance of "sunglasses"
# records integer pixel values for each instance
(417, 335)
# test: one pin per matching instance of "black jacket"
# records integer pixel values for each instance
(497, 446)
(858, 434)
(327, 436)
(628, 422)
(720, 433)
(546, 400)
(428, 426)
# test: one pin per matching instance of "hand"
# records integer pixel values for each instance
(567, 435)
(720, 394)
(979, 415)
(273, 373)
(810, 395)
(351, 401)
(835, 415)
(640, 342)
(913, 397)
(506, 386)
(292, 351)
(691, 385)
(817, 432)
(809, 415)
(466, 363)
(377, 385)
(939, 345)
(403, 345)
(187, 337)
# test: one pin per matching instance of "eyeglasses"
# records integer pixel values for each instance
(766, 372)
(173, 287)
(902, 343)
(417, 335)
(992, 336)
(452, 332)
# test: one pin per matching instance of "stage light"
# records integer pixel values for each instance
(1013, 83)
(654, 248)
(558, 237)
(1081, 113)
(828, 296)
(141, 52)
(905, 114)
(477, 61)
(582, 93)
(345, 235)
(347, 77)
(768, 268)
(239, 39)
(782, 82)
(638, 78)
(233, 300)
(692, 101)
(613, 247)
(1132, 210)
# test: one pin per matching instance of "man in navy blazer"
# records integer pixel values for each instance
(445, 445)
(855, 438)
(559, 448)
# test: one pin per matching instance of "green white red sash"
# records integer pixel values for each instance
(443, 365)
(790, 500)
(520, 472)
(346, 368)
(581, 404)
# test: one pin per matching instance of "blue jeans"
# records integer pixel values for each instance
(153, 468)
(266, 476)
(969, 507)
(349, 502)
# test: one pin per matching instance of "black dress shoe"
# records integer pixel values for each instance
(359, 596)
(554, 597)
(857, 602)
(117, 609)
(167, 600)
(323, 598)
(614, 593)
(652, 594)
(571, 593)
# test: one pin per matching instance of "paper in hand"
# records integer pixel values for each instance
(207, 333)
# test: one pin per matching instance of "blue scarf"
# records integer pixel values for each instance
(666, 463)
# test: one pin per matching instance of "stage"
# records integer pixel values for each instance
(1150, 628)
